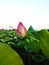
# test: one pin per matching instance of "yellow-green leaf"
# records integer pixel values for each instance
(8, 56)
(44, 39)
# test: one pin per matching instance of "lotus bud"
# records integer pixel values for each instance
(21, 30)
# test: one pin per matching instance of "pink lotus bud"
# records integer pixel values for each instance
(21, 30)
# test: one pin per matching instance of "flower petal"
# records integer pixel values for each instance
(21, 30)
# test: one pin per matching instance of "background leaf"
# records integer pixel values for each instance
(44, 40)
(31, 30)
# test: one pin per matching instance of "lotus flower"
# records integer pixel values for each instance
(21, 30)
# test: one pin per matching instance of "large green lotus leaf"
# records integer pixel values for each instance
(8, 56)
(44, 39)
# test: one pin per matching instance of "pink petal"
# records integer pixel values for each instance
(21, 30)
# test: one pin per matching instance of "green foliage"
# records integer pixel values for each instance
(33, 42)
